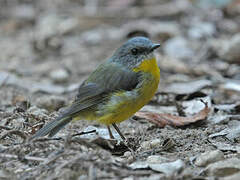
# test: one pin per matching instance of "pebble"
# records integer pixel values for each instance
(5, 174)
(156, 159)
(129, 178)
(68, 26)
(201, 29)
(188, 87)
(229, 26)
(151, 177)
(232, 177)
(209, 157)
(231, 49)
(147, 145)
(50, 25)
(33, 86)
(219, 118)
(51, 103)
(233, 130)
(127, 158)
(24, 13)
(160, 30)
(169, 168)
(59, 76)
(178, 47)
(139, 165)
(41, 113)
(224, 168)
(165, 30)
(127, 154)
(195, 105)
(155, 143)
(37, 111)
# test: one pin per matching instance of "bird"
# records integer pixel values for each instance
(118, 88)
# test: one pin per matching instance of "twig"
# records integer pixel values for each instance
(180, 109)
(5, 127)
(41, 139)
(48, 161)
(205, 103)
(16, 132)
(38, 124)
(30, 158)
(82, 133)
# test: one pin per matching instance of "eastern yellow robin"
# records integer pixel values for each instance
(117, 89)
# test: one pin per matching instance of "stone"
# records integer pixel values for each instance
(219, 118)
(224, 168)
(139, 165)
(188, 87)
(233, 130)
(201, 30)
(51, 103)
(168, 168)
(231, 49)
(178, 47)
(156, 159)
(146, 145)
(127, 154)
(59, 76)
(38, 112)
(33, 86)
(235, 176)
(209, 157)
(155, 143)
(24, 13)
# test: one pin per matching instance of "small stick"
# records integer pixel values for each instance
(30, 158)
(82, 133)
(16, 132)
(60, 138)
(5, 127)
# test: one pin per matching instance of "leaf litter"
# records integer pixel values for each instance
(48, 50)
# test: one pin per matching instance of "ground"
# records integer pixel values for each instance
(49, 47)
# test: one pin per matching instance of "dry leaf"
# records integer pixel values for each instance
(162, 119)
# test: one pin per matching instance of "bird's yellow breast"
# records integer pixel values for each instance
(124, 104)
(149, 66)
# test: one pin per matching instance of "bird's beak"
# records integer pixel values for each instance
(155, 46)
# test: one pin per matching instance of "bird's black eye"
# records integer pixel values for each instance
(134, 51)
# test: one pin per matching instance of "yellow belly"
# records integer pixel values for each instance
(124, 104)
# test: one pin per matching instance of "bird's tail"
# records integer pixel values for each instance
(52, 127)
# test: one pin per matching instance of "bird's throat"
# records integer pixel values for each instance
(149, 66)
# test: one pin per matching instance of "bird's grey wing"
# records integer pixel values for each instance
(105, 79)
(112, 77)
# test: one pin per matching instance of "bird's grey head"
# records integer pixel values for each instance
(134, 51)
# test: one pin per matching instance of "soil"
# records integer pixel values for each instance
(49, 47)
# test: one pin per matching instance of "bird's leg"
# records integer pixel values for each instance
(124, 140)
(119, 132)
(110, 133)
